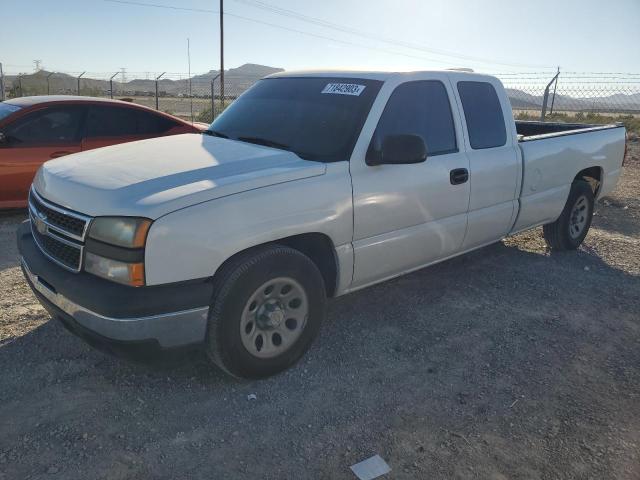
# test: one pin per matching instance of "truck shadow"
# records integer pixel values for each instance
(618, 215)
(497, 287)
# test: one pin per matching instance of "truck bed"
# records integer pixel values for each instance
(532, 130)
(552, 154)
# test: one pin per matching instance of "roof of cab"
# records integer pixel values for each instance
(370, 75)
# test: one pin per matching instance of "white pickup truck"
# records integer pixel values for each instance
(310, 185)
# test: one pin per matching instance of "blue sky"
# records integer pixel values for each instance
(517, 35)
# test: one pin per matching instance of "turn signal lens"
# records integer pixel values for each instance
(131, 274)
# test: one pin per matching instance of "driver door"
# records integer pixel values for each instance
(407, 216)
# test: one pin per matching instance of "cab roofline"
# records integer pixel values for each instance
(365, 74)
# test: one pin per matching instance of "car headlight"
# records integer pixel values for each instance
(115, 249)
(128, 232)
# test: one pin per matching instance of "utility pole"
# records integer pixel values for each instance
(222, 53)
(123, 75)
(37, 64)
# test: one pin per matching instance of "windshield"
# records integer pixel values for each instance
(7, 109)
(316, 118)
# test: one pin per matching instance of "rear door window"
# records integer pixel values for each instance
(483, 113)
(419, 108)
(151, 124)
(49, 126)
(111, 122)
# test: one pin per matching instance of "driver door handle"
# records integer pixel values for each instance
(458, 176)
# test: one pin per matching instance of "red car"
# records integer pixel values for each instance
(36, 129)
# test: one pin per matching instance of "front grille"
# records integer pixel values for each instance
(58, 232)
(65, 221)
(64, 253)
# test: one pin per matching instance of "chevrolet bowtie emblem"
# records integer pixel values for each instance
(40, 225)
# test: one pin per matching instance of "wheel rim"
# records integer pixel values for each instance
(274, 317)
(579, 217)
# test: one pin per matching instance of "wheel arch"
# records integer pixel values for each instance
(317, 246)
(594, 176)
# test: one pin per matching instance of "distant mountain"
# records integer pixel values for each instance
(236, 81)
(246, 71)
(614, 102)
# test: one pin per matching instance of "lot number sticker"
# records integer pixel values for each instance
(343, 89)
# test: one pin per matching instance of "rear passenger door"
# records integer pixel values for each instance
(494, 164)
(406, 216)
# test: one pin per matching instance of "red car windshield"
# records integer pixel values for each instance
(7, 109)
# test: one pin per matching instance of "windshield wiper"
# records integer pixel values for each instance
(264, 141)
(213, 133)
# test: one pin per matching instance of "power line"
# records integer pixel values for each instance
(301, 32)
(352, 31)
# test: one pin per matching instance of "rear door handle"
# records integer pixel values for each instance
(458, 176)
(61, 153)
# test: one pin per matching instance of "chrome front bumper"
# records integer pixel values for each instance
(173, 329)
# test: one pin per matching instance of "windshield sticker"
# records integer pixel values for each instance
(343, 89)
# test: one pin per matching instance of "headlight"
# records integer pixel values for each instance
(115, 249)
(128, 232)
(131, 274)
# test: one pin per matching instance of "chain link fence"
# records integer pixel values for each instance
(197, 98)
(575, 97)
(551, 96)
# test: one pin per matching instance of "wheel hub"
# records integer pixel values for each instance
(270, 314)
(274, 317)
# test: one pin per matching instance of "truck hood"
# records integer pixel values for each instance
(151, 178)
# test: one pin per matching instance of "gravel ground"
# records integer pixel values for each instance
(509, 362)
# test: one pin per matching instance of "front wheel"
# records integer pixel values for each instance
(570, 229)
(267, 308)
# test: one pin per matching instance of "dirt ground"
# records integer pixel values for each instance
(506, 363)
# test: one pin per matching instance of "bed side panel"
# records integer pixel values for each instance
(551, 164)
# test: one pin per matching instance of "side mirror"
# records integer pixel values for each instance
(399, 149)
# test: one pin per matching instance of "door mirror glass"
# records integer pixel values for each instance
(399, 149)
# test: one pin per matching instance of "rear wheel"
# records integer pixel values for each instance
(267, 308)
(570, 229)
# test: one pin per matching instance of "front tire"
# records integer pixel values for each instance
(267, 308)
(570, 229)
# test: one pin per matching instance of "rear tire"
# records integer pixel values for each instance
(267, 308)
(570, 229)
